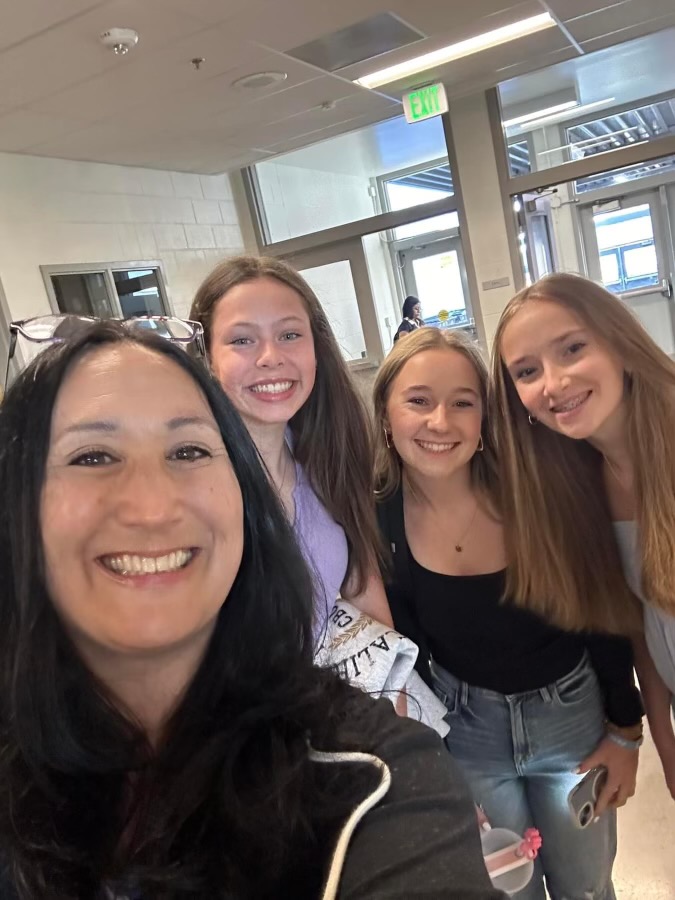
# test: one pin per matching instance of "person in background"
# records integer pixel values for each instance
(271, 347)
(163, 730)
(587, 421)
(412, 317)
(530, 707)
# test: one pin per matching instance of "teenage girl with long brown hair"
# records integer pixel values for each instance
(586, 416)
(527, 703)
(271, 347)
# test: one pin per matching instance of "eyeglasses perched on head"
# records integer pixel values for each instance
(55, 329)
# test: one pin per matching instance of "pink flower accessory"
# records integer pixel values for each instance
(530, 845)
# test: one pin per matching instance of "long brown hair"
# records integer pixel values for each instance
(566, 559)
(388, 466)
(331, 433)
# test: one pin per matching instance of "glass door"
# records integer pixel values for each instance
(435, 273)
(338, 275)
(628, 248)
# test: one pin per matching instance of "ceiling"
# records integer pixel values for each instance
(63, 94)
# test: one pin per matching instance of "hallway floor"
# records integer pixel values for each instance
(645, 864)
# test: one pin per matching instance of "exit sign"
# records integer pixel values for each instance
(425, 102)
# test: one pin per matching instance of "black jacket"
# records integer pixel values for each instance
(419, 840)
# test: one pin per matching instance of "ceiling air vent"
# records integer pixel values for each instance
(259, 80)
(357, 43)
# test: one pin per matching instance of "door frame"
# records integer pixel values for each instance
(419, 248)
(350, 251)
(657, 200)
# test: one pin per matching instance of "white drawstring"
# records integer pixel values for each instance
(337, 863)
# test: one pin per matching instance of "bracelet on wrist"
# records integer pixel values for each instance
(629, 732)
(626, 743)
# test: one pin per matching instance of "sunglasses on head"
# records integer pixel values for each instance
(55, 329)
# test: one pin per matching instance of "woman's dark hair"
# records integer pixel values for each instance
(331, 432)
(222, 807)
(409, 305)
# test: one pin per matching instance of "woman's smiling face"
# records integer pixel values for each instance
(141, 512)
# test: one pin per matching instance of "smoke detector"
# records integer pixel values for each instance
(119, 40)
(260, 80)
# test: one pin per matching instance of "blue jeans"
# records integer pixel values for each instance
(518, 753)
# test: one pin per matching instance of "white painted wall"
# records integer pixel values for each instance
(56, 212)
(299, 200)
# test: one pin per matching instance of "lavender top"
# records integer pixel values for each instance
(323, 544)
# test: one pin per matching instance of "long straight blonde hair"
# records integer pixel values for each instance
(388, 466)
(566, 561)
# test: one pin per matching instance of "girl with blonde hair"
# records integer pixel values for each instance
(527, 702)
(586, 417)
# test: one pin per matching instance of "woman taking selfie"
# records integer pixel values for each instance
(163, 733)
(587, 420)
(527, 702)
(271, 347)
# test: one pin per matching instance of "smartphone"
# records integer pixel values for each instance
(583, 797)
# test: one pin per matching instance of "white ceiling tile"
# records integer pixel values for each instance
(628, 33)
(431, 17)
(456, 73)
(214, 12)
(145, 76)
(72, 53)
(19, 21)
(570, 9)
(323, 134)
(63, 94)
(316, 119)
(21, 129)
(616, 18)
(452, 34)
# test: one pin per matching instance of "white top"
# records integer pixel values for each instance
(659, 625)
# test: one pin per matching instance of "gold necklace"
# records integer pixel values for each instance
(458, 546)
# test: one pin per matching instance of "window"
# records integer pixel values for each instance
(422, 184)
(109, 290)
(139, 292)
(575, 109)
(331, 183)
(663, 166)
(84, 294)
(627, 252)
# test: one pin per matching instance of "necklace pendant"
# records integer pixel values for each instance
(458, 548)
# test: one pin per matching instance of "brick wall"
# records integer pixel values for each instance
(55, 212)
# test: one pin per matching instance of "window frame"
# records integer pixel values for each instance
(107, 268)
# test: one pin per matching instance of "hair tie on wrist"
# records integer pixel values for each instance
(625, 742)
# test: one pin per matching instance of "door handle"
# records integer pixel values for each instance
(667, 288)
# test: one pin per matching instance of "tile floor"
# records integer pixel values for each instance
(645, 864)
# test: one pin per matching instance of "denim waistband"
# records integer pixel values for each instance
(443, 677)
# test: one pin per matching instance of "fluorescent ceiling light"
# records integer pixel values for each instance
(557, 117)
(541, 113)
(457, 51)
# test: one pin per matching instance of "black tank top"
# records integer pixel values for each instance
(488, 642)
